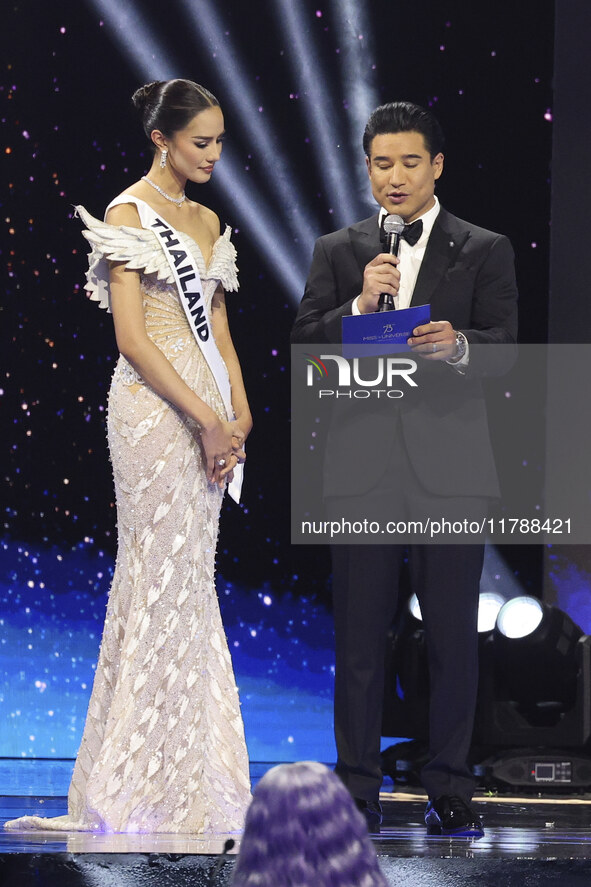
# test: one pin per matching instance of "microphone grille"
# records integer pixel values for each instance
(393, 224)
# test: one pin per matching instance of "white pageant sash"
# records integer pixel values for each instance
(188, 282)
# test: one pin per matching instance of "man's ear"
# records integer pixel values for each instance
(437, 164)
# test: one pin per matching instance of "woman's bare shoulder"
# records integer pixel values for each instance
(209, 218)
(124, 213)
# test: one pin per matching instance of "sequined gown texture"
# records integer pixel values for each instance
(163, 748)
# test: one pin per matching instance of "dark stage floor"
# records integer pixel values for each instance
(528, 842)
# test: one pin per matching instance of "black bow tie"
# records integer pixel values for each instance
(411, 233)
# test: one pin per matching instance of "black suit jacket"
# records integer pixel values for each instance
(467, 276)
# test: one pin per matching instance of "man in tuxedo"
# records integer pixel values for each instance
(466, 275)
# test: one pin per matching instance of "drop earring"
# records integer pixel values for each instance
(163, 157)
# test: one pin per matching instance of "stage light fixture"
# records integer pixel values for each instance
(535, 655)
(520, 616)
(534, 687)
(489, 605)
(535, 681)
(414, 608)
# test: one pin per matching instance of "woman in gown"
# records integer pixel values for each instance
(163, 748)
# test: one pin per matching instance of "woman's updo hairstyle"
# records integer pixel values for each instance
(170, 105)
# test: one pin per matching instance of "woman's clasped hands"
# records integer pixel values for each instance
(223, 445)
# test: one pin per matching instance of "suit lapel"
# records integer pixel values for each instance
(444, 246)
(443, 249)
(365, 241)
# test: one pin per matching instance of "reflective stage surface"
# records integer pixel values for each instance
(529, 841)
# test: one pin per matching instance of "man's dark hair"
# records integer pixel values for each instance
(404, 117)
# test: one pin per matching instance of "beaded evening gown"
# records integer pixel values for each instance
(163, 748)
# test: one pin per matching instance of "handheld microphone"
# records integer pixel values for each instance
(393, 228)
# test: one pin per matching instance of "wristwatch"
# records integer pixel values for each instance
(461, 343)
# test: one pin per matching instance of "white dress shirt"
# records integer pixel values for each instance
(410, 258)
(410, 265)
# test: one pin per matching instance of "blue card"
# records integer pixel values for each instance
(384, 332)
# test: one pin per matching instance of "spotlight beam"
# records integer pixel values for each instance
(208, 30)
(358, 81)
(326, 130)
(134, 36)
(260, 221)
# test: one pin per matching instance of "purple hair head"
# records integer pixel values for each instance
(303, 830)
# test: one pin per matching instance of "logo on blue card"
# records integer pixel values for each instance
(384, 332)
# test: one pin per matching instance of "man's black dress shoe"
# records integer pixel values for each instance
(449, 815)
(372, 811)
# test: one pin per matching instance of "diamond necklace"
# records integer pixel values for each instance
(177, 200)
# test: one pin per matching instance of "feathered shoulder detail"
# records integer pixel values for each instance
(222, 265)
(140, 250)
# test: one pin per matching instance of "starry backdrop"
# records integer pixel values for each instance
(296, 83)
